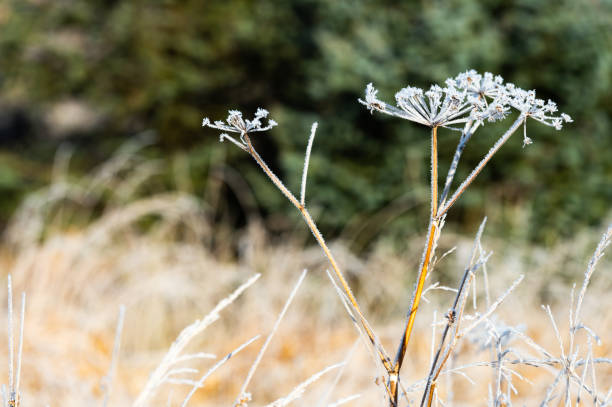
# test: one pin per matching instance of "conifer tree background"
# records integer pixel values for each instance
(94, 73)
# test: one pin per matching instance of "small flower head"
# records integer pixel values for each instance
(235, 123)
(467, 98)
(477, 85)
(527, 103)
(435, 107)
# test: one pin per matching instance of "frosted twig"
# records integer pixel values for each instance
(179, 371)
(599, 252)
(270, 336)
(465, 137)
(482, 164)
(549, 391)
(493, 307)
(584, 373)
(188, 382)
(313, 130)
(217, 365)
(554, 325)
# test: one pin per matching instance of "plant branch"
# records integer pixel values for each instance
(461, 189)
(321, 241)
(428, 252)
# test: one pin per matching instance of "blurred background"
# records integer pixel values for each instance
(92, 74)
(113, 193)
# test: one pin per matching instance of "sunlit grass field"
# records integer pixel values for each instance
(83, 247)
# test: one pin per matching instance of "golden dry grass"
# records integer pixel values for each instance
(76, 280)
(152, 255)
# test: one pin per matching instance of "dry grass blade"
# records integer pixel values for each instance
(361, 332)
(492, 308)
(13, 397)
(217, 365)
(264, 347)
(344, 400)
(160, 373)
(107, 381)
(299, 389)
(334, 383)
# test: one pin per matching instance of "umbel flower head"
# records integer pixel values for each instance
(435, 107)
(469, 98)
(236, 124)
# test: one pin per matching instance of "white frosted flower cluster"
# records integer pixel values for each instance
(468, 98)
(435, 107)
(235, 123)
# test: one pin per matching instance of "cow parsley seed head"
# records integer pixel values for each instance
(467, 98)
(527, 103)
(235, 123)
(477, 85)
(434, 107)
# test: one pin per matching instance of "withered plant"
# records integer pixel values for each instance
(465, 105)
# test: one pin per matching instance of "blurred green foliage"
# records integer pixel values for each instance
(162, 65)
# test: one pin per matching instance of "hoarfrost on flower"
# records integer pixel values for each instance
(469, 98)
(235, 123)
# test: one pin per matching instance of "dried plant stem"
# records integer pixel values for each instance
(434, 223)
(461, 189)
(321, 241)
(454, 318)
(465, 137)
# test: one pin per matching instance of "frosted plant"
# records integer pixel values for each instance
(437, 107)
(470, 100)
(236, 124)
(473, 100)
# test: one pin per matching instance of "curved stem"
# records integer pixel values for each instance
(321, 241)
(461, 189)
(465, 137)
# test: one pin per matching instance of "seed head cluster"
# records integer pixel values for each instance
(235, 123)
(469, 98)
